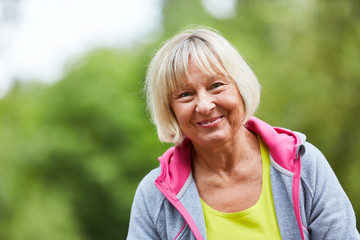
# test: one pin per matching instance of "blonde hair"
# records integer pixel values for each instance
(212, 53)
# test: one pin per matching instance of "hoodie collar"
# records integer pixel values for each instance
(284, 145)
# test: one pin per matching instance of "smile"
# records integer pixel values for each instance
(210, 122)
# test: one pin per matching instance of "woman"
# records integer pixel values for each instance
(230, 175)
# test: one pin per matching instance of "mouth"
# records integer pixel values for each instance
(210, 122)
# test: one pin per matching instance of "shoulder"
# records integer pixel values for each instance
(148, 199)
(145, 209)
(327, 206)
(313, 160)
(316, 172)
(147, 186)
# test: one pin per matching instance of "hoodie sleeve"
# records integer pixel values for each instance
(330, 214)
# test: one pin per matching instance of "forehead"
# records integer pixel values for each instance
(196, 74)
(197, 69)
(189, 54)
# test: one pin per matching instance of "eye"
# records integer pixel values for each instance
(184, 94)
(216, 85)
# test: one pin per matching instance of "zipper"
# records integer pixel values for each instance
(295, 195)
(169, 195)
(182, 229)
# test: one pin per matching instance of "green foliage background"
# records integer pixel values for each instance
(72, 153)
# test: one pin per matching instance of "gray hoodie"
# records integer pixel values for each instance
(309, 200)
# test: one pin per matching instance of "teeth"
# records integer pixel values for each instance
(210, 122)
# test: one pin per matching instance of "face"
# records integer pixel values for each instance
(209, 109)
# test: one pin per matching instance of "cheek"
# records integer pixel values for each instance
(236, 107)
(182, 113)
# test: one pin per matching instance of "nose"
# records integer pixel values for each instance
(205, 103)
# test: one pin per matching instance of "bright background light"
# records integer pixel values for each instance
(223, 9)
(46, 34)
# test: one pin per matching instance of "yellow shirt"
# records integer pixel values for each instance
(257, 222)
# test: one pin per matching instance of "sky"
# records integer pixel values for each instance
(39, 37)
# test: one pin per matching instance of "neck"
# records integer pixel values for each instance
(224, 158)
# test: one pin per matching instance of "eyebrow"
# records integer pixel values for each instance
(223, 77)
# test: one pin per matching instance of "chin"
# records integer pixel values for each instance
(211, 139)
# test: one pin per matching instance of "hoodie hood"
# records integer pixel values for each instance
(176, 166)
(284, 145)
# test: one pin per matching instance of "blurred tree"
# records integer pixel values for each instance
(73, 153)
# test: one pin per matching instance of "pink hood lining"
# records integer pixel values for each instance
(176, 166)
(283, 144)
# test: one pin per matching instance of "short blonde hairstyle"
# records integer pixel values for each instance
(212, 53)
